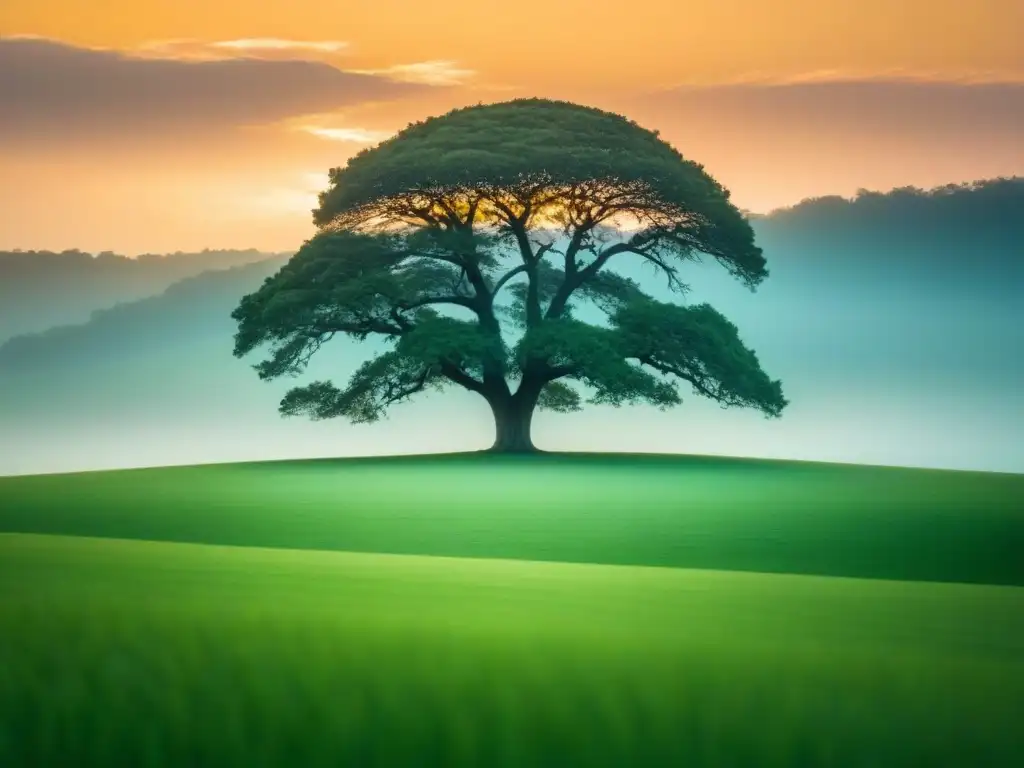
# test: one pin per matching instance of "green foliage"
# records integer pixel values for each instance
(336, 283)
(551, 151)
(422, 227)
(697, 345)
(595, 357)
(378, 383)
(450, 246)
(437, 339)
(610, 291)
(559, 397)
(548, 279)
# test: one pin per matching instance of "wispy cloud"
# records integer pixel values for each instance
(277, 44)
(191, 48)
(840, 76)
(355, 135)
(47, 86)
(831, 107)
(437, 72)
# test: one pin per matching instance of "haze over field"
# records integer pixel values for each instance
(41, 289)
(894, 322)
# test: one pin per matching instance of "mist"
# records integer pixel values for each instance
(894, 322)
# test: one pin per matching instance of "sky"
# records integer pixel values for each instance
(163, 125)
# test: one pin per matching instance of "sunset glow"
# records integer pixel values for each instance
(780, 100)
(275, 44)
(355, 135)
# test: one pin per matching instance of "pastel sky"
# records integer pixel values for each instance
(181, 124)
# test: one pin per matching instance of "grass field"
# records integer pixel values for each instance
(694, 512)
(177, 650)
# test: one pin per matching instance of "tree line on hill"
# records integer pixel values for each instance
(43, 289)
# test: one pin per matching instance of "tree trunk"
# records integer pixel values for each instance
(512, 419)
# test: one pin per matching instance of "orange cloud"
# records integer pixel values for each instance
(276, 44)
(259, 47)
(425, 72)
(222, 132)
(355, 135)
(839, 76)
(56, 92)
(774, 144)
(579, 43)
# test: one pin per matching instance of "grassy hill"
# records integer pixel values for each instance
(681, 511)
(503, 611)
(446, 633)
(150, 654)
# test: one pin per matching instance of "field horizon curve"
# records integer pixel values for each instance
(704, 512)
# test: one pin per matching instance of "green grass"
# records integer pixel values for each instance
(697, 512)
(154, 654)
(519, 620)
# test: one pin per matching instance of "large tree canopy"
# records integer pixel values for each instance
(472, 241)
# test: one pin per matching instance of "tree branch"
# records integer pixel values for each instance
(671, 273)
(542, 250)
(510, 215)
(454, 373)
(561, 371)
(508, 276)
(395, 394)
(573, 248)
(474, 204)
(365, 326)
(459, 301)
(635, 245)
(664, 368)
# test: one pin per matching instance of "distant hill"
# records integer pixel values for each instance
(959, 234)
(183, 315)
(894, 343)
(932, 215)
(42, 289)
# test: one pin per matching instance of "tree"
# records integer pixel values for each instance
(472, 242)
